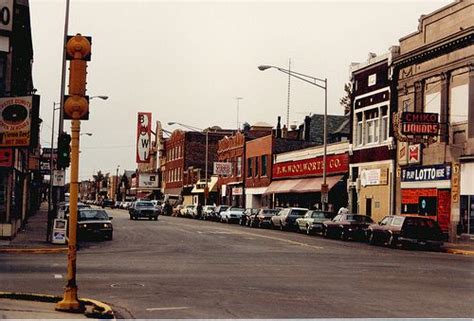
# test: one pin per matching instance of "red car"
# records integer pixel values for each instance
(406, 231)
(347, 226)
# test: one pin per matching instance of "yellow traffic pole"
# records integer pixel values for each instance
(70, 301)
(76, 107)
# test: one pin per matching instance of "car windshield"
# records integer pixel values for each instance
(236, 209)
(93, 215)
(322, 215)
(298, 212)
(270, 211)
(143, 204)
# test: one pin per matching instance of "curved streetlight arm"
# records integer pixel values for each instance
(306, 78)
(185, 126)
(100, 96)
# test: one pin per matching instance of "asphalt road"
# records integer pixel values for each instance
(183, 268)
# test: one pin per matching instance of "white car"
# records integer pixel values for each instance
(232, 214)
(207, 211)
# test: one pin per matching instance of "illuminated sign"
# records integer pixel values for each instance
(419, 124)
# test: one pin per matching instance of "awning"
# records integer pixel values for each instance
(309, 185)
(282, 186)
(304, 185)
(173, 191)
(199, 187)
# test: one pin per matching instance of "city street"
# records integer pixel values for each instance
(183, 268)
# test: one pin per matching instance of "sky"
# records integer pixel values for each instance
(188, 61)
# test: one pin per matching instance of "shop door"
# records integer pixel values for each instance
(368, 206)
(471, 216)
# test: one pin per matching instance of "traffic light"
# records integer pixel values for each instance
(76, 104)
(64, 150)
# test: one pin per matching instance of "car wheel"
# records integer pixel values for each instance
(150, 218)
(281, 227)
(324, 232)
(392, 241)
(131, 217)
(259, 225)
(111, 237)
(156, 218)
(308, 230)
(372, 240)
(344, 236)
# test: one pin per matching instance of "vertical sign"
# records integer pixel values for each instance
(143, 137)
(6, 15)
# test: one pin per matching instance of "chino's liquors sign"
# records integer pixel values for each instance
(419, 124)
(312, 166)
(15, 121)
(143, 137)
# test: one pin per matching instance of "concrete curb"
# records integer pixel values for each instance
(34, 251)
(459, 251)
(100, 310)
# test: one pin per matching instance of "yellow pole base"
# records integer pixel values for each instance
(70, 303)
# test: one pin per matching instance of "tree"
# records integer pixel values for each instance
(346, 100)
(246, 127)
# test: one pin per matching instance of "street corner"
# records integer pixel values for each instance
(31, 305)
(26, 250)
(458, 251)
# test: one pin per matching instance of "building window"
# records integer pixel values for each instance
(459, 98)
(256, 167)
(249, 167)
(239, 166)
(433, 98)
(385, 124)
(372, 126)
(359, 132)
(264, 165)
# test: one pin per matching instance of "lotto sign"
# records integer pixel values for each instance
(143, 137)
(15, 121)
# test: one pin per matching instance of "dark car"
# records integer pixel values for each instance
(286, 218)
(347, 226)
(248, 215)
(108, 203)
(143, 209)
(264, 216)
(406, 230)
(313, 221)
(93, 224)
(63, 208)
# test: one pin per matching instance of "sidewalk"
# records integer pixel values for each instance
(33, 237)
(37, 306)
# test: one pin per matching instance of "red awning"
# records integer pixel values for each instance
(304, 185)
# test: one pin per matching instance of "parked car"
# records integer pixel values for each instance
(157, 205)
(216, 214)
(189, 211)
(94, 223)
(232, 214)
(207, 211)
(264, 216)
(347, 226)
(177, 210)
(107, 203)
(312, 221)
(406, 230)
(63, 208)
(286, 218)
(247, 216)
(143, 209)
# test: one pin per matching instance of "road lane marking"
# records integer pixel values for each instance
(229, 232)
(168, 308)
(58, 276)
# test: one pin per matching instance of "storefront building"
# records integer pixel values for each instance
(297, 177)
(372, 155)
(435, 76)
(466, 222)
(426, 191)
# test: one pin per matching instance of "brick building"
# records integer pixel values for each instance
(184, 155)
(372, 159)
(435, 74)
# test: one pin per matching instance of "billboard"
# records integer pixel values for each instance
(143, 137)
(16, 116)
(147, 180)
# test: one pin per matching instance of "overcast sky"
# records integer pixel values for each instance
(188, 61)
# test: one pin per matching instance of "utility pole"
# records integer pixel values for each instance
(238, 107)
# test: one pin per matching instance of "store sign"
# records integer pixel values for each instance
(419, 123)
(426, 173)
(146, 180)
(455, 183)
(222, 168)
(6, 15)
(15, 121)
(312, 166)
(143, 137)
(376, 176)
(6, 157)
(237, 190)
(414, 154)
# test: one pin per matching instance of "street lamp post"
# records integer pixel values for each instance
(315, 82)
(116, 183)
(50, 196)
